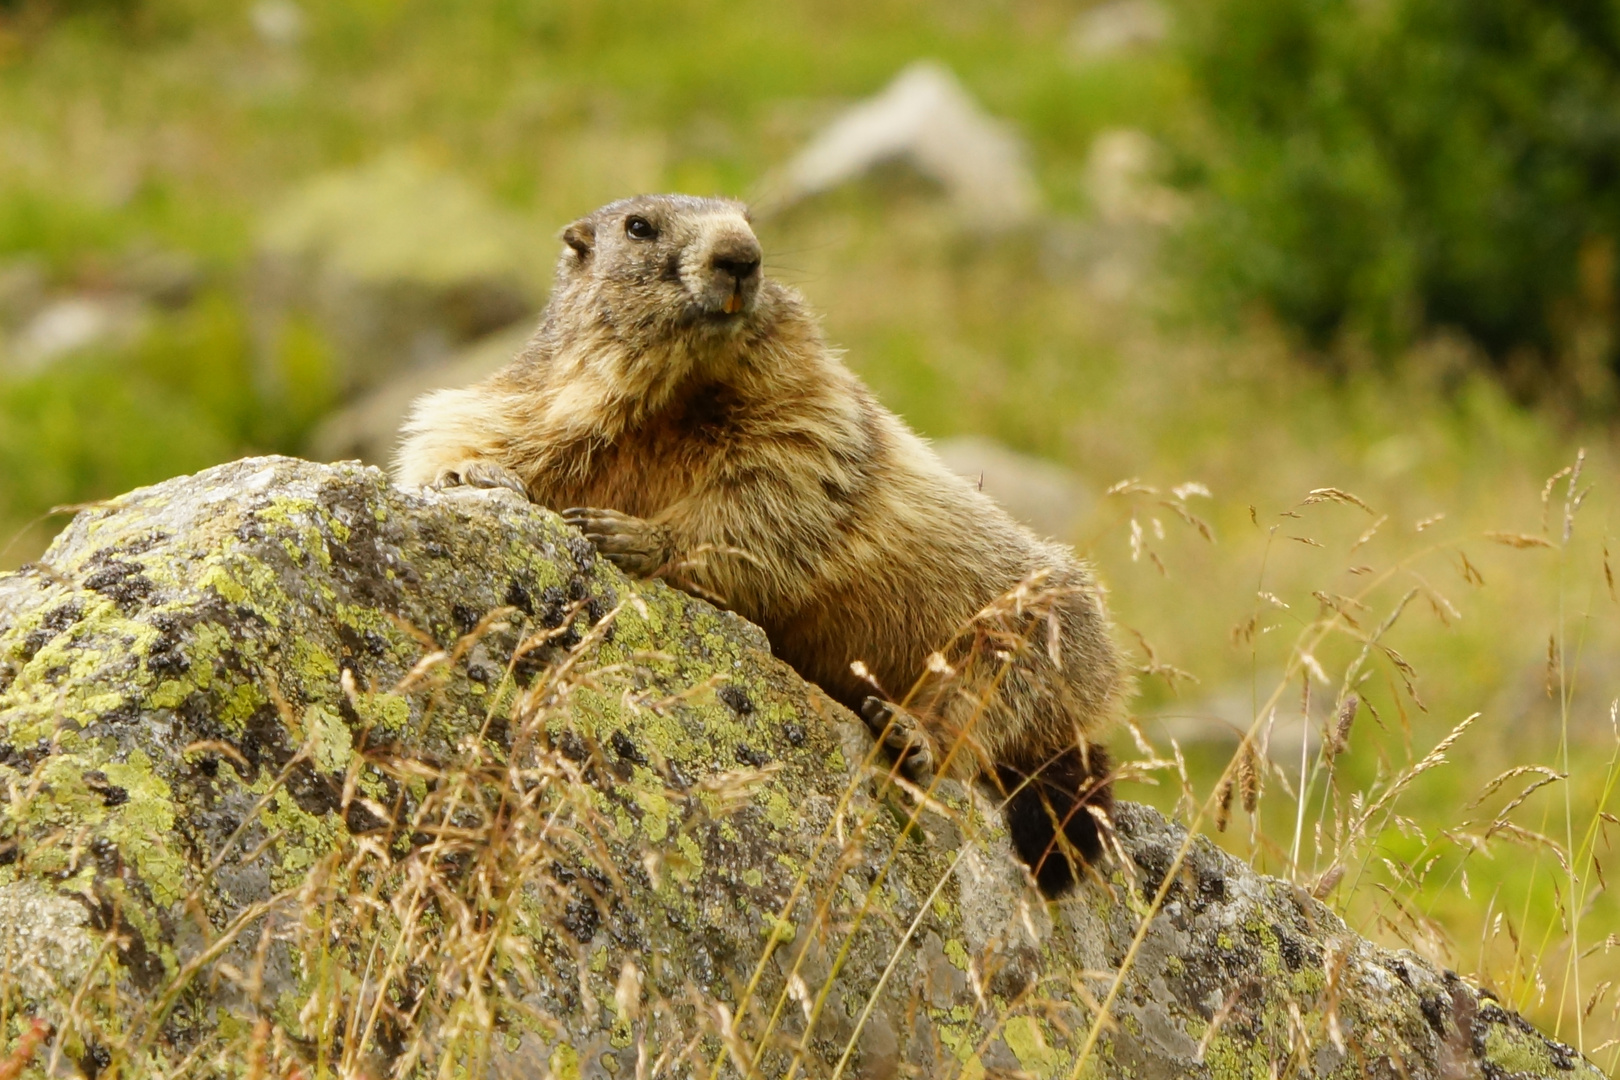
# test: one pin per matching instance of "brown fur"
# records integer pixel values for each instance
(737, 457)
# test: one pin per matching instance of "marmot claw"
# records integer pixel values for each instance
(483, 474)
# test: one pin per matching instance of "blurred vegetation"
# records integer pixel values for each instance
(173, 125)
(1420, 183)
(1384, 170)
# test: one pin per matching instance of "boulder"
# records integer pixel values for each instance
(368, 429)
(1040, 493)
(1116, 27)
(302, 775)
(926, 120)
(398, 264)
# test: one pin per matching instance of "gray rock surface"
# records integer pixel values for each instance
(303, 773)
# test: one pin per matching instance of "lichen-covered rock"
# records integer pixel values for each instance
(301, 774)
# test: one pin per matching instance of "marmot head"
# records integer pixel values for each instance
(659, 264)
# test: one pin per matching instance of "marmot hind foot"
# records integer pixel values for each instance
(635, 545)
(903, 735)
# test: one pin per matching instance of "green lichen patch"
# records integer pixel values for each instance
(1517, 1053)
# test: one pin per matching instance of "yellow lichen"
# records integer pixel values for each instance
(1024, 1037)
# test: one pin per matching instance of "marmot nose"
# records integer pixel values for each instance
(738, 257)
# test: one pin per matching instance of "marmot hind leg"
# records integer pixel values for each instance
(1059, 793)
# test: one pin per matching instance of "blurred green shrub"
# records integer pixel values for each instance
(1380, 169)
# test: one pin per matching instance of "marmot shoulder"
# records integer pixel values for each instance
(683, 409)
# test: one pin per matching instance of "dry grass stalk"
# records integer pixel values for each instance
(1250, 775)
(1338, 740)
(1519, 540)
(1333, 494)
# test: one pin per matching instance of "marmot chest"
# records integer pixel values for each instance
(662, 460)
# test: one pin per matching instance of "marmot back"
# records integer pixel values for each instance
(684, 411)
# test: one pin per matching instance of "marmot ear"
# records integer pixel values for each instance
(580, 236)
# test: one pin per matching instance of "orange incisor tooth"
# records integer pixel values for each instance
(734, 303)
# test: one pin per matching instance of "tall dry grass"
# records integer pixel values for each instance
(1345, 781)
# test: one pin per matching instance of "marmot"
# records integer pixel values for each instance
(683, 410)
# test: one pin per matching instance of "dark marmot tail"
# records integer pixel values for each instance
(1059, 794)
(683, 410)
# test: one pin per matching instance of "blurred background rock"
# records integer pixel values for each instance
(1095, 251)
(397, 265)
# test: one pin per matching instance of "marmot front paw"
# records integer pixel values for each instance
(634, 545)
(482, 474)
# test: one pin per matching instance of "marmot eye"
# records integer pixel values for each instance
(639, 228)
